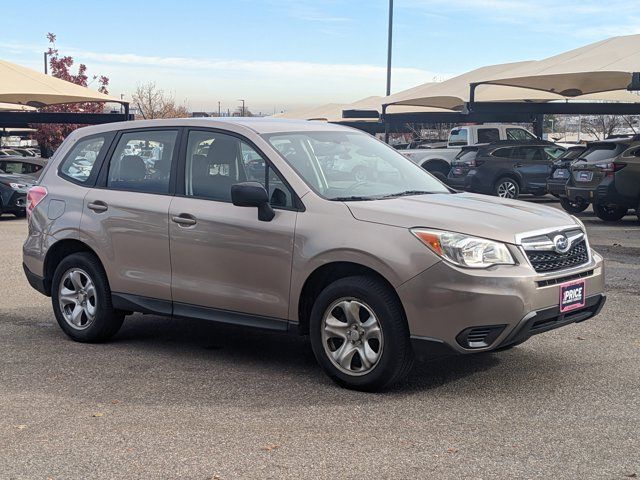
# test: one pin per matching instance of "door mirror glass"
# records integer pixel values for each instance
(253, 194)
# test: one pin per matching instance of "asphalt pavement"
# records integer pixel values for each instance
(188, 399)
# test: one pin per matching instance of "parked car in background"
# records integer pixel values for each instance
(31, 166)
(608, 175)
(13, 192)
(25, 152)
(505, 169)
(359, 266)
(560, 172)
(9, 152)
(437, 161)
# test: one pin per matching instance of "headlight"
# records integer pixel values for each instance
(465, 250)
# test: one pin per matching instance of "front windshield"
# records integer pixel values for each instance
(352, 166)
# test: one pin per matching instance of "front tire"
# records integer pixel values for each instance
(507, 187)
(81, 299)
(609, 213)
(359, 334)
(574, 207)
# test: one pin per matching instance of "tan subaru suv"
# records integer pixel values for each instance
(263, 223)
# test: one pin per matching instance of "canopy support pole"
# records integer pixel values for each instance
(386, 124)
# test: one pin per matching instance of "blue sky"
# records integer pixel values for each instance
(283, 54)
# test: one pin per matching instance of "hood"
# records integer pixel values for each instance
(480, 215)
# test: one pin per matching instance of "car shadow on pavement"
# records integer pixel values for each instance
(273, 353)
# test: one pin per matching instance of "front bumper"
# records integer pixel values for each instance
(445, 302)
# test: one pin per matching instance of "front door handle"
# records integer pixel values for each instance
(98, 206)
(184, 220)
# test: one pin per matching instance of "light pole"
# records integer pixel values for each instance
(45, 63)
(242, 107)
(218, 108)
(389, 38)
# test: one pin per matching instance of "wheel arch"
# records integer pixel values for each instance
(326, 274)
(436, 165)
(58, 252)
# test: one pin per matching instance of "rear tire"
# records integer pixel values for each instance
(81, 299)
(571, 206)
(507, 187)
(609, 213)
(359, 334)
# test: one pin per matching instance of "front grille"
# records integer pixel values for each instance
(550, 261)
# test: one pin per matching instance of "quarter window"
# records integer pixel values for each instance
(142, 161)
(81, 160)
(216, 161)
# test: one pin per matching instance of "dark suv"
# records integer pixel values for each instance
(560, 172)
(608, 175)
(505, 169)
(13, 193)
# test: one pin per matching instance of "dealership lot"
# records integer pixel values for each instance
(187, 399)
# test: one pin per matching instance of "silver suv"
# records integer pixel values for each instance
(243, 222)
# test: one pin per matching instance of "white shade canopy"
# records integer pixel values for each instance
(598, 67)
(14, 107)
(454, 93)
(25, 86)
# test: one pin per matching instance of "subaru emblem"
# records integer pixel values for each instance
(561, 244)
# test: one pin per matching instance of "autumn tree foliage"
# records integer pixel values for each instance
(152, 102)
(50, 136)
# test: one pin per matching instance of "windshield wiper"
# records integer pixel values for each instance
(409, 192)
(353, 198)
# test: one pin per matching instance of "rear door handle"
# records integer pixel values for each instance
(518, 165)
(98, 206)
(184, 220)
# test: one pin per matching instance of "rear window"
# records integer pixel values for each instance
(80, 161)
(458, 137)
(467, 155)
(571, 154)
(504, 152)
(603, 151)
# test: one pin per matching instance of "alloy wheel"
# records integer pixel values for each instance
(507, 189)
(352, 336)
(78, 298)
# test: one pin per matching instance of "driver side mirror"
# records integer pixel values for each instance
(253, 194)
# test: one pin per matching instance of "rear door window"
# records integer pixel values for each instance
(530, 153)
(519, 134)
(141, 161)
(488, 135)
(80, 162)
(509, 152)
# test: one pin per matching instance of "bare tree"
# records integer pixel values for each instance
(601, 126)
(155, 103)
